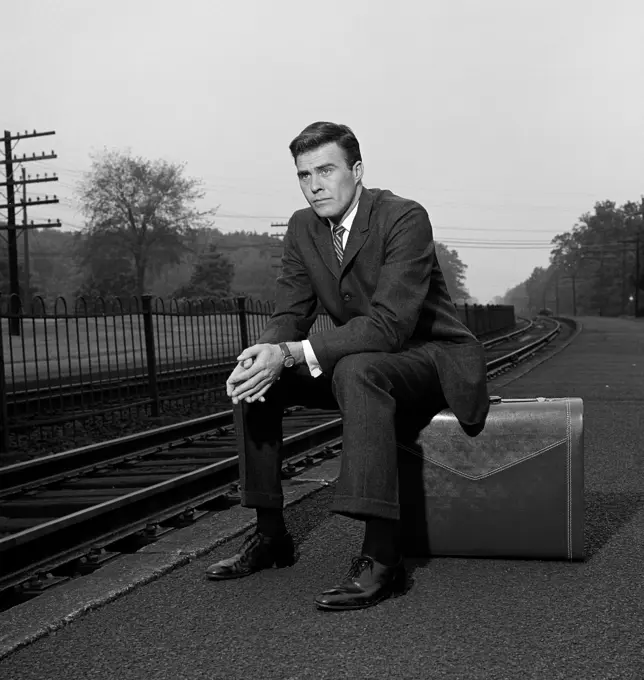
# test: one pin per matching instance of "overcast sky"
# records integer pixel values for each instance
(506, 119)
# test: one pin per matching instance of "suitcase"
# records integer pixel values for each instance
(514, 490)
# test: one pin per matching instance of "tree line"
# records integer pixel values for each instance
(596, 268)
(143, 234)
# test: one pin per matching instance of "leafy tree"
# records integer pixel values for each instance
(540, 290)
(169, 279)
(138, 211)
(454, 272)
(518, 298)
(536, 288)
(211, 278)
(255, 273)
(256, 260)
(593, 267)
(108, 277)
(54, 270)
(598, 258)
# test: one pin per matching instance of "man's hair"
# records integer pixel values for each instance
(321, 133)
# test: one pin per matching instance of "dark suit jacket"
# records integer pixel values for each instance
(389, 294)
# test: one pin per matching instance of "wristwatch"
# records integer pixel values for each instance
(289, 359)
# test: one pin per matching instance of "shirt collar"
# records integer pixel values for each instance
(348, 220)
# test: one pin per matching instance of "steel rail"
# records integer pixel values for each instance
(62, 538)
(57, 396)
(509, 336)
(49, 469)
(521, 353)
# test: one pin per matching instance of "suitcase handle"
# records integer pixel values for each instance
(500, 400)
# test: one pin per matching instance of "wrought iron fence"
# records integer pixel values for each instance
(64, 369)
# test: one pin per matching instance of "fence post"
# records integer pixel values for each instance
(242, 316)
(15, 315)
(150, 354)
(4, 415)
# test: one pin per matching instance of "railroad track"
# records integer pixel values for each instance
(67, 514)
(54, 396)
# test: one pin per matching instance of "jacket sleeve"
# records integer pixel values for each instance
(296, 301)
(395, 307)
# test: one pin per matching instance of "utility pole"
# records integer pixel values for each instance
(637, 262)
(601, 282)
(25, 240)
(637, 269)
(11, 227)
(14, 289)
(624, 280)
(277, 256)
(574, 294)
(557, 292)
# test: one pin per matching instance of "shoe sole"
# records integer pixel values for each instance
(352, 607)
(282, 564)
(228, 577)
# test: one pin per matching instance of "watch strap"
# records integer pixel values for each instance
(289, 360)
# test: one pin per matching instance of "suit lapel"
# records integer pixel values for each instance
(357, 236)
(359, 229)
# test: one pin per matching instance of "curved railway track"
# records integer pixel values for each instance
(66, 514)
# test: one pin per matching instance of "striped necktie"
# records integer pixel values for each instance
(338, 231)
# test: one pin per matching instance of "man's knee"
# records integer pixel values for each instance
(356, 369)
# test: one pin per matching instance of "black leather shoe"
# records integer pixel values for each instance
(257, 552)
(367, 583)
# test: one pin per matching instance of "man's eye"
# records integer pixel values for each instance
(325, 171)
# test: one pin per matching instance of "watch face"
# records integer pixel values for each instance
(288, 362)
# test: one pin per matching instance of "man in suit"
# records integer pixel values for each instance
(368, 257)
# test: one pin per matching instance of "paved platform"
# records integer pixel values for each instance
(463, 618)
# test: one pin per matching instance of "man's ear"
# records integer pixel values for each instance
(358, 170)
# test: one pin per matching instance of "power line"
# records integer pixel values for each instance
(210, 186)
(542, 249)
(253, 217)
(528, 245)
(514, 230)
(215, 186)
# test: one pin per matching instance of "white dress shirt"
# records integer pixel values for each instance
(309, 354)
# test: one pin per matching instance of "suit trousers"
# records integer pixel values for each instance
(381, 396)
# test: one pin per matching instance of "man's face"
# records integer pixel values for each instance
(327, 183)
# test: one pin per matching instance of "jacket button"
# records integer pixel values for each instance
(346, 297)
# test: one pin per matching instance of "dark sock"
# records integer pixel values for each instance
(270, 522)
(381, 541)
